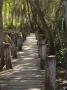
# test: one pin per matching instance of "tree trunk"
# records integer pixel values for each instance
(65, 56)
(66, 13)
(1, 35)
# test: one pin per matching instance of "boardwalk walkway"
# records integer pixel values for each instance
(26, 73)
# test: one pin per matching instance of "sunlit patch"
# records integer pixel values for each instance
(38, 75)
(22, 57)
(28, 58)
(65, 82)
(26, 64)
(21, 53)
(14, 60)
(18, 67)
(34, 89)
(10, 70)
(18, 78)
(27, 47)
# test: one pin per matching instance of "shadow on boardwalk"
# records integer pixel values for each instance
(25, 74)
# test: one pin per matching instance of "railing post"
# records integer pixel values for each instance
(43, 55)
(50, 80)
(7, 56)
(19, 42)
(14, 50)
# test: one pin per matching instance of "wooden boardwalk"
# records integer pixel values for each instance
(26, 73)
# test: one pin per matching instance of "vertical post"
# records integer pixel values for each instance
(2, 63)
(1, 35)
(14, 45)
(19, 41)
(50, 82)
(66, 13)
(7, 56)
(65, 16)
(65, 55)
(43, 55)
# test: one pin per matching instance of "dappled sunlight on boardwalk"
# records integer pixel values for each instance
(26, 74)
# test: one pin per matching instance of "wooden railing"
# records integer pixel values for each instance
(47, 63)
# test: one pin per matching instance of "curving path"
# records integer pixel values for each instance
(25, 74)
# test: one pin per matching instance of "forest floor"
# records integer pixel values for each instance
(26, 73)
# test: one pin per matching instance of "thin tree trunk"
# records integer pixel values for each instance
(1, 35)
(65, 56)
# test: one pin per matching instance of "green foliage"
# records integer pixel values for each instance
(44, 15)
(14, 14)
